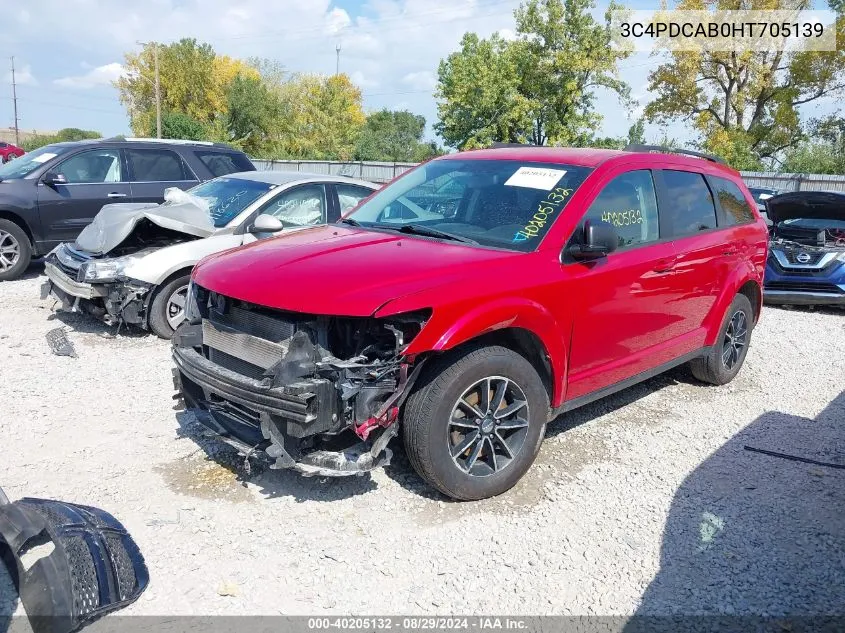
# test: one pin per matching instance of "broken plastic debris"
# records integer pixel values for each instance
(59, 343)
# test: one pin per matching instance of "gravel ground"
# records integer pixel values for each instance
(644, 502)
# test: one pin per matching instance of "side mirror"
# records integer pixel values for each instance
(54, 178)
(266, 223)
(599, 240)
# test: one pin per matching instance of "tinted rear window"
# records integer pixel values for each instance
(223, 163)
(690, 204)
(156, 165)
(733, 203)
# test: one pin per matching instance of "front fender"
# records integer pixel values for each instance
(447, 329)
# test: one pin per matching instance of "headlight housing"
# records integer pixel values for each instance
(101, 271)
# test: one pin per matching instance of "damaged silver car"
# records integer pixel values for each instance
(132, 264)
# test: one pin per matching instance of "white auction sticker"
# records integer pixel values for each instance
(43, 158)
(536, 178)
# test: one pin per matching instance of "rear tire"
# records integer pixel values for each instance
(726, 357)
(166, 312)
(15, 250)
(455, 405)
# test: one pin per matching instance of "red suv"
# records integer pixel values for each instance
(468, 303)
(9, 152)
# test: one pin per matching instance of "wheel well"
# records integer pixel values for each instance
(526, 344)
(164, 282)
(751, 289)
(8, 215)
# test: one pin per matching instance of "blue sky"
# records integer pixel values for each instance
(68, 51)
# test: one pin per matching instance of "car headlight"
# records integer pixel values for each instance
(101, 271)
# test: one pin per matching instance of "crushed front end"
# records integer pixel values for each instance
(95, 285)
(319, 394)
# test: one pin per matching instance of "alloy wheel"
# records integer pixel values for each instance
(175, 309)
(488, 426)
(736, 338)
(10, 251)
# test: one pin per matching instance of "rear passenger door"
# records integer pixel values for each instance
(152, 170)
(704, 252)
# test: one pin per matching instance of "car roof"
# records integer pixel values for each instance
(285, 177)
(583, 156)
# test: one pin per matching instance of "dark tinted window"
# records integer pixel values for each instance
(156, 165)
(690, 204)
(734, 204)
(629, 204)
(223, 163)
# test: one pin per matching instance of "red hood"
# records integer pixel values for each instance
(338, 270)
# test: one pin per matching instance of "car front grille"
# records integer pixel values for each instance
(270, 328)
(798, 286)
(235, 364)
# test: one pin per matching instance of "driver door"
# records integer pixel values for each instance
(298, 207)
(625, 304)
(94, 178)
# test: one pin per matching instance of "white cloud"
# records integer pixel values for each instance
(420, 80)
(507, 34)
(99, 76)
(23, 76)
(337, 20)
(360, 80)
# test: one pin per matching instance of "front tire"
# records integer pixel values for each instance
(167, 309)
(473, 426)
(15, 250)
(723, 362)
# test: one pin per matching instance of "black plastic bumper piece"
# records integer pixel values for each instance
(71, 564)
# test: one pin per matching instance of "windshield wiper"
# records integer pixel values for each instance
(350, 222)
(419, 229)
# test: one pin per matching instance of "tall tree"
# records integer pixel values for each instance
(745, 106)
(393, 136)
(179, 125)
(193, 81)
(321, 117)
(539, 88)
(252, 116)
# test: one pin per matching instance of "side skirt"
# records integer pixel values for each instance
(569, 405)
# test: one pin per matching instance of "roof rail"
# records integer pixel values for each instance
(174, 141)
(671, 150)
(498, 145)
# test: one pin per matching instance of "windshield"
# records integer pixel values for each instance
(227, 197)
(28, 163)
(498, 203)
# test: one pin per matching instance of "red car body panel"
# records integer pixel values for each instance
(600, 322)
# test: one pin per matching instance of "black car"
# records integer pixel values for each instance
(49, 195)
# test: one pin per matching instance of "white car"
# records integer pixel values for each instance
(132, 264)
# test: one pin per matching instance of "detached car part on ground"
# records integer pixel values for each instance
(132, 264)
(70, 564)
(806, 263)
(546, 282)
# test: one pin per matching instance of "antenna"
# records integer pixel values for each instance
(15, 104)
(337, 67)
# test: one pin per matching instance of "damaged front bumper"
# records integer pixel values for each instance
(334, 419)
(120, 301)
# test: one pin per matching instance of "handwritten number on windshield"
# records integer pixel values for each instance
(545, 211)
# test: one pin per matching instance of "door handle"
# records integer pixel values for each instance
(665, 265)
(114, 194)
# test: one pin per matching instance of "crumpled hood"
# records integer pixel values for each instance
(811, 205)
(115, 222)
(341, 271)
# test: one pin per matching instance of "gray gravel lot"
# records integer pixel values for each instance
(644, 502)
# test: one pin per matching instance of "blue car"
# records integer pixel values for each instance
(806, 263)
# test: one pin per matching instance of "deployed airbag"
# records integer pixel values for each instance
(181, 212)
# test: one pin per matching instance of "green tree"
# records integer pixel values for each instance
(62, 136)
(252, 116)
(636, 133)
(824, 154)
(179, 125)
(744, 106)
(321, 117)
(393, 136)
(539, 88)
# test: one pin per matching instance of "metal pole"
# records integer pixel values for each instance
(158, 92)
(337, 67)
(15, 104)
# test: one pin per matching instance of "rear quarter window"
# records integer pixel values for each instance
(733, 202)
(224, 163)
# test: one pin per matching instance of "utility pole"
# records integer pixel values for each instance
(15, 104)
(156, 84)
(337, 67)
